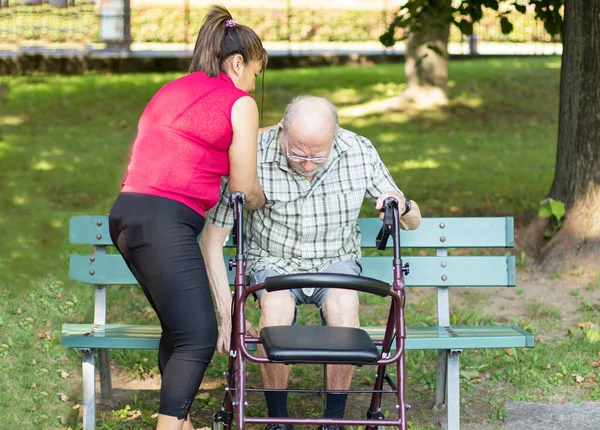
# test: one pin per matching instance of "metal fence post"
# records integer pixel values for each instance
(115, 24)
(473, 39)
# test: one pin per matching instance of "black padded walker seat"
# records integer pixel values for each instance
(318, 344)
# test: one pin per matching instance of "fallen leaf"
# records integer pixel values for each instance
(77, 406)
(63, 397)
(33, 385)
(453, 209)
(33, 362)
(469, 374)
(62, 419)
(63, 374)
(476, 380)
(596, 363)
(154, 416)
(591, 378)
(578, 378)
(132, 416)
(203, 396)
(509, 352)
(19, 311)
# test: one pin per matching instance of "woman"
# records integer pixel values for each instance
(195, 130)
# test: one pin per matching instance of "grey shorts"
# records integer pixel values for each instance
(345, 267)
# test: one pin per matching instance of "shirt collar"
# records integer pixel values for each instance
(224, 76)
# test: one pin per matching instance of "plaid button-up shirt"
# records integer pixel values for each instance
(305, 226)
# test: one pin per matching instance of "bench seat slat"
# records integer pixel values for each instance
(481, 271)
(130, 336)
(457, 232)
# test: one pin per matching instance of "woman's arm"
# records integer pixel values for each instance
(211, 245)
(243, 152)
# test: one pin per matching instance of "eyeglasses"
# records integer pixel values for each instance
(299, 159)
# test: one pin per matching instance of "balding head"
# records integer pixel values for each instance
(311, 118)
(309, 127)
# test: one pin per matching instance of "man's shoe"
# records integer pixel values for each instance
(279, 427)
(331, 427)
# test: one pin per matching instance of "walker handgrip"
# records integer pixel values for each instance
(237, 200)
(386, 230)
(328, 280)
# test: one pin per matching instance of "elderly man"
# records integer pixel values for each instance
(315, 177)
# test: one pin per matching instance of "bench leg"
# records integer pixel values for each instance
(440, 381)
(89, 390)
(453, 385)
(104, 369)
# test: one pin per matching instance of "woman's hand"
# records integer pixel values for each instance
(224, 339)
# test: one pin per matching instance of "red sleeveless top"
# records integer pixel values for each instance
(184, 134)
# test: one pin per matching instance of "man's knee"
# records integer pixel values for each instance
(277, 308)
(340, 308)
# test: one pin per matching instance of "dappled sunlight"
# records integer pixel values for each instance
(420, 164)
(388, 89)
(428, 163)
(345, 96)
(19, 200)
(466, 100)
(12, 119)
(552, 65)
(350, 99)
(387, 137)
(438, 150)
(54, 151)
(43, 166)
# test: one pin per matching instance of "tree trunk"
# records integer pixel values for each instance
(427, 69)
(577, 174)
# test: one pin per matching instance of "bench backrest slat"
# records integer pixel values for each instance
(485, 232)
(484, 271)
(89, 230)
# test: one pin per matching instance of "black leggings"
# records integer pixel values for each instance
(158, 239)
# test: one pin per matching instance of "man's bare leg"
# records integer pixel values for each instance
(340, 309)
(277, 308)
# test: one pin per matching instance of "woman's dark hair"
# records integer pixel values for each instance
(219, 38)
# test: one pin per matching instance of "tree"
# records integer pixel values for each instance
(425, 26)
(577, 174)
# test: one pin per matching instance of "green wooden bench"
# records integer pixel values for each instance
(441, 271)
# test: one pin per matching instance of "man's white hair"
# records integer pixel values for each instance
(313, 114)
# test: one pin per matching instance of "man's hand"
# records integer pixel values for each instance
(381, 199)
(409, 221)
(224, 339)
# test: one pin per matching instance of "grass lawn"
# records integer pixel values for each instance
(64, 144)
